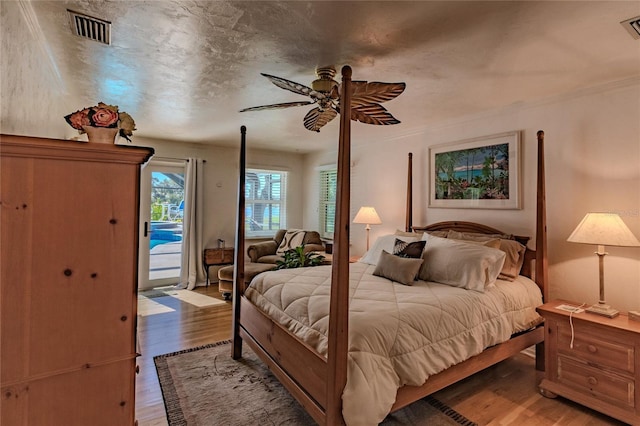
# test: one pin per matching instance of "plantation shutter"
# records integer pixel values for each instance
(327, 202)
(265, 202)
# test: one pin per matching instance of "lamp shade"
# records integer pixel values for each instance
(367, 215)
(606, 229)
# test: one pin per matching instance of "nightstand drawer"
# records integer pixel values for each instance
(599, 384)
(219, 256)
(594, 350)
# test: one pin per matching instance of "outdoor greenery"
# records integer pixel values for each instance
(477, 173)
(165, 192)
(297, 258)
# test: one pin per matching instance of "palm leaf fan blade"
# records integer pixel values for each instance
(375, 92)
(292, 86)
(277, 106)
(317, 118)
(373, 114)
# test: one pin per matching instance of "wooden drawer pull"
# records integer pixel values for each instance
(592, 381)
(592, 349)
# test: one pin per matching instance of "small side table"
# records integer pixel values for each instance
(216, 256)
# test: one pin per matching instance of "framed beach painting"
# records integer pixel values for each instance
(482, 173)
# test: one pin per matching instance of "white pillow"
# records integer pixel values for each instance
(292, 238)
(460, 264)
(385, 242)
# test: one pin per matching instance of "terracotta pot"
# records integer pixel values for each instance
(101, 134)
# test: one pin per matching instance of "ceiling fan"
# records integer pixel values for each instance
(325, 91)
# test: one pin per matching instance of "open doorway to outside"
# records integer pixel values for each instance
(161, 216)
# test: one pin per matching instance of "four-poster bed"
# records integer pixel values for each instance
(317, 378)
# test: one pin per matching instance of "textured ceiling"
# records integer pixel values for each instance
(183, 69)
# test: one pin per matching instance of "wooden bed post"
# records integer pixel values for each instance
(541, 223)
(541, 242)
(409, 211)
(238, 268)
(338, 339)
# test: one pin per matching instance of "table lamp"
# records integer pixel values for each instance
(368, 216)
(603, 229)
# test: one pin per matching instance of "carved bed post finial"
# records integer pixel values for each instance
(409, 211)
(238, 270)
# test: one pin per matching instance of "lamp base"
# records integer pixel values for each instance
(604, 310)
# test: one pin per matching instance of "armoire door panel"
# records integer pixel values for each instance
(82, 233)
(16, 213)
(95, 396)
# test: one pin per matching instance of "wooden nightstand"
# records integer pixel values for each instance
(602, 368)
(216, 256)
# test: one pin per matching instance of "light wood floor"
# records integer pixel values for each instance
(505, 394)
(186, 327)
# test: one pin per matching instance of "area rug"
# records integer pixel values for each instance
(204, 386)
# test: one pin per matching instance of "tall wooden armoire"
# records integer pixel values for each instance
(68, 300)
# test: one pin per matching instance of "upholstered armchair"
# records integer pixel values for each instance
(266, 251)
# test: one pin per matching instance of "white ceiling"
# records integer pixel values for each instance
(183, 69)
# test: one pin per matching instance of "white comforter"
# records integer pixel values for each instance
(398, 335)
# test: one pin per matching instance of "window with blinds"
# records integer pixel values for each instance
(265, 208)
(327, 204)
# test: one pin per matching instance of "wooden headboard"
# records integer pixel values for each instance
(528, 269)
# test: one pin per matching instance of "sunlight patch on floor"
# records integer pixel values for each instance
(195, 299)
(148, 306)
(187, 296)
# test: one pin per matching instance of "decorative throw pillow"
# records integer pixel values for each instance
(400, 269)
(514, 260)
(489, 243)
(408, 249)
(292, 239)
(408, 234)
(441, 234)
(460, 264)
(513, 249)
(385, 242)
(477, 236)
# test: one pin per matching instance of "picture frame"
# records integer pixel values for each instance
(480, 173)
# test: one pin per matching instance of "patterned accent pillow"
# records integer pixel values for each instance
(292, 239)
(412, 249)
(384, 242)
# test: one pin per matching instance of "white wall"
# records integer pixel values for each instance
(592, 142)
(221, 182)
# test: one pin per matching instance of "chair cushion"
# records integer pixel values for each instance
(292, 238)
(270, 259)
(250, 271)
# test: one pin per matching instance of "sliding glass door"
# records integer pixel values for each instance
(161, 216)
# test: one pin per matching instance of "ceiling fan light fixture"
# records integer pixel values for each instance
(325, 82)
(323, 85)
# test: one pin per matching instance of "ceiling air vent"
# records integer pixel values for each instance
(632, 26)
(85, 26)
